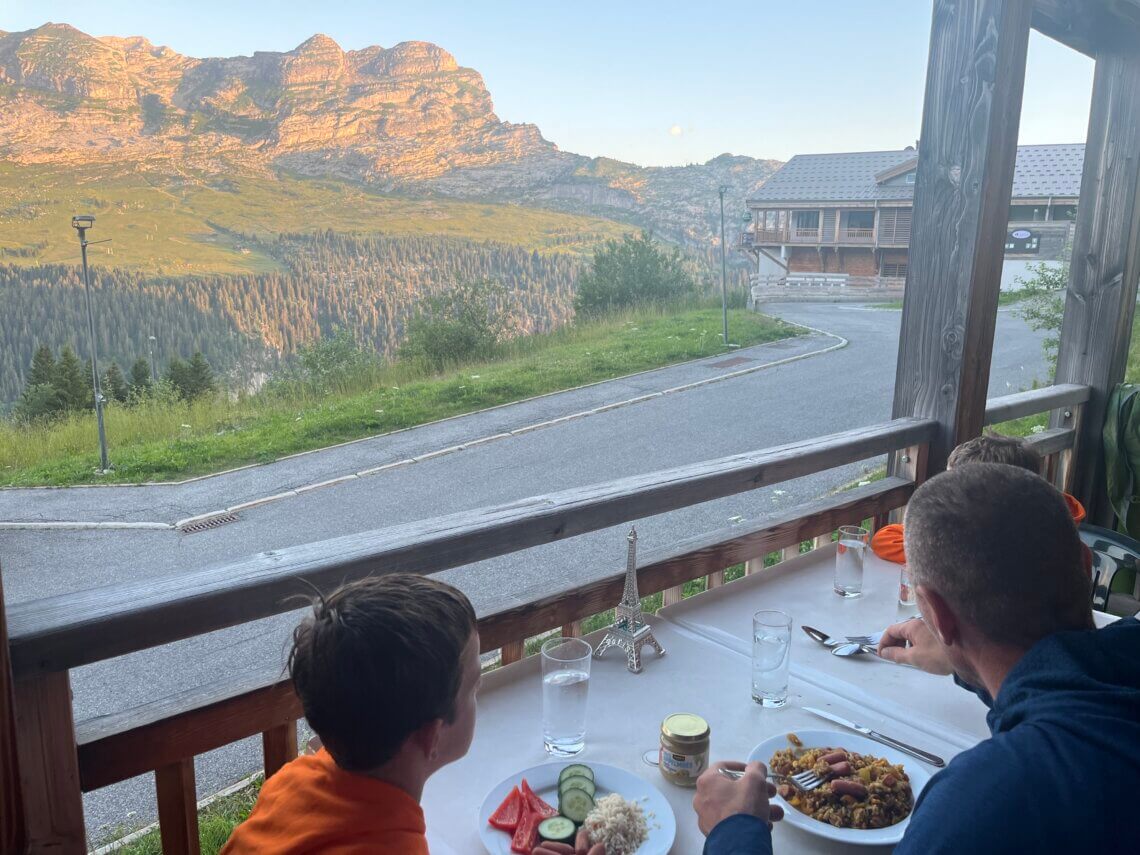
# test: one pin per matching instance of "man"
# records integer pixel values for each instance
(387, 670)
(1005, 602)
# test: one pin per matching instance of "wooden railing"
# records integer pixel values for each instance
(59, 760)
(857, 235)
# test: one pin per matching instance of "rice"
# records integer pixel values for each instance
(617, 824)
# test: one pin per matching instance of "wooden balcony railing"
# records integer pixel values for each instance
(850, 235)
(59, 759)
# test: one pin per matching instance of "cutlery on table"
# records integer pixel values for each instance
(925, 756)
(838, 646)
(804, 781)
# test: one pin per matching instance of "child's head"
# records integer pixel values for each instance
(384, 659)
(996, 448)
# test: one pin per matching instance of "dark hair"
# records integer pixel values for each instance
(377, 660)
(997, 448)
(999, 544)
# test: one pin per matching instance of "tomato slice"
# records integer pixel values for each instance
(526, 834)
(506, 815)
(536, 804)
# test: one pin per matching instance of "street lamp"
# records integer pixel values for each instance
(723, 268)
(81, 223)
(150, 346)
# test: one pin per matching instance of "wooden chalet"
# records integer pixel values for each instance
(961, 207)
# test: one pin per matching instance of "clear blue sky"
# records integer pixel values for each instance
(656, 83)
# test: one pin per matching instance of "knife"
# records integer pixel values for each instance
(932, 759)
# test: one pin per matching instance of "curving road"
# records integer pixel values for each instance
(798, 395)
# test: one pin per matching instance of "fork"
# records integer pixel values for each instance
(804, 781)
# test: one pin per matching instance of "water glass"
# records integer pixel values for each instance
(853, 541)
(771, 652)
(565, 687)
(906, 588)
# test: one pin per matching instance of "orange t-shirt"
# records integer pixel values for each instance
(888, 541)
(313, 806)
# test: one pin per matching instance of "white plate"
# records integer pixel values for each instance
(608, 779)
(915, 770)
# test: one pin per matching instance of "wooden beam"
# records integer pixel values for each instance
(972, 105)
(279, 746)
(49, 768)
(115, 748)
(1063, 395)
(177, 808)
(1088, 25)
(1101, 298)
(62, 632)
(13, 833)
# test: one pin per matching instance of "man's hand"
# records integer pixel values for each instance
(719, 797)
(924, 650)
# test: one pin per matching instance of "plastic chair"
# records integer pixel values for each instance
(1116, 557)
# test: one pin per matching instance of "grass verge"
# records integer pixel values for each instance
(1005, 298)
(161, 441)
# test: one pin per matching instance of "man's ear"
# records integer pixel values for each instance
(939, 616)
(427, 738)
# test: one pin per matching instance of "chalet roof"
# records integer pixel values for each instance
(1042, 170)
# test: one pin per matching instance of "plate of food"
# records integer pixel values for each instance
(870, 790)
(558, 808)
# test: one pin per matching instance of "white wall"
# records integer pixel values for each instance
(1012, 268)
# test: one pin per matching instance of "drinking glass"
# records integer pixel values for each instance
(771, 651)
(565, 686)
(849, 560)
(906, 588)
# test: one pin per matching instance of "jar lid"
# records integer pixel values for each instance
(685, 727)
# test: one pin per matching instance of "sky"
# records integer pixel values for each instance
(654, 83)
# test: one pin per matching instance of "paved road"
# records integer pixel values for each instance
(792, 400)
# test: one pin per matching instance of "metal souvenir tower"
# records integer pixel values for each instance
(630, 632)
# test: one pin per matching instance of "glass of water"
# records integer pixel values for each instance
(565, 686)
(771, 651)
(853, 541)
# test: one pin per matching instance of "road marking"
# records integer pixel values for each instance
(840, 342)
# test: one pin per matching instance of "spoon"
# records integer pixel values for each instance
(838, 647)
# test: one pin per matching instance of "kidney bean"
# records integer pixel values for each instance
(582, 843)
(849, 788)
(834, 757)
(890, 781)
(597, 849)
(843, 769)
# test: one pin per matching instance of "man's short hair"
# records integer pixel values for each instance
(999, 544)
(377, 660)
(997, 448)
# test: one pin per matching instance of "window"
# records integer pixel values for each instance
(860, 219)
(894, 270)
(1026, 213)
(1064, 213)
(807, 219)
(910, 178)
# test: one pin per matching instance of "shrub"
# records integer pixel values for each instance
(631, 272)
(468, 322)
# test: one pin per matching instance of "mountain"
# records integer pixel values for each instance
(405, 119)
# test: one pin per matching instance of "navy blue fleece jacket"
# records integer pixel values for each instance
(1060, 773)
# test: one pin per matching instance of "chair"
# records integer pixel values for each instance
(1115, 560)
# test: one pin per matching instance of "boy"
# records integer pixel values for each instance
(387, 670)
(992, 448)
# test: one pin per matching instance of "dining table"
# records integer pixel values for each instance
(706, 670)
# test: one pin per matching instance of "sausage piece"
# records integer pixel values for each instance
(834, 757)
(842, 770)
(557, 848)
(582, 843)
(849, 788)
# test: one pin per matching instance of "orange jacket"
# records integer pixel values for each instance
(313, 806)
(888, 541)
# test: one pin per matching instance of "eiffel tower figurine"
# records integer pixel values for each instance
(630, 632)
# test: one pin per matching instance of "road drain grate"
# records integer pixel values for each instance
(207, 524)
(731, 363)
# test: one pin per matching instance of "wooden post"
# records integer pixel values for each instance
(511, 652)
(970, 118)
(672, 596)
(912, 463)
(13, 833)
(49, 765)
(1101, 297)
(177, 808)
(278, 747)
(714, 580)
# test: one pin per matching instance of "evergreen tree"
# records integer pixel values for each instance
(40, 399)
(200, 376)
(178, 375)
(140, 378)
(74, 390)
(115, 384)
(43, 367)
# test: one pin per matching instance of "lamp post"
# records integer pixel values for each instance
(81, 223)
(150, 346)
(723, 268)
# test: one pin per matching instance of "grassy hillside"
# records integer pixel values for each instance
(167, 440)
(193, 222)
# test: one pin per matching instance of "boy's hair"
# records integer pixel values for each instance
(377, 660)
(1000, 546)
(996, 448)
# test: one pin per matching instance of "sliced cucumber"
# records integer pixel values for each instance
(579, 781)
(575, 804)
(576, 769)
(558, 829)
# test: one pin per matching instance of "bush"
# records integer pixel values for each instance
(469, 322)
(1043, 303)
(333, 364)
(631, 272)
